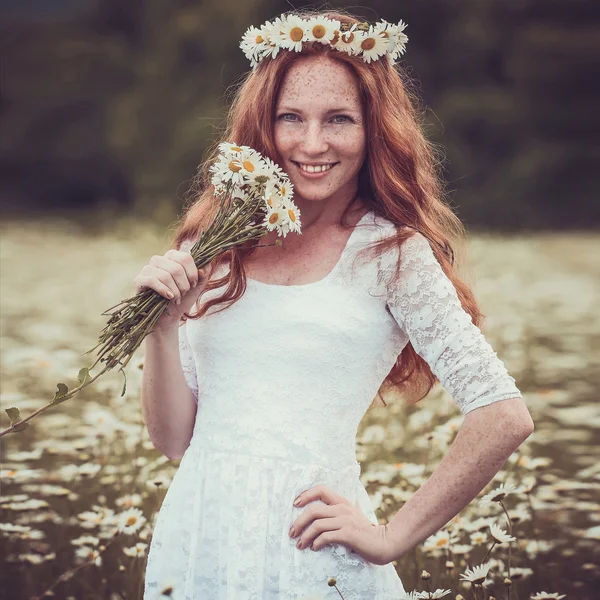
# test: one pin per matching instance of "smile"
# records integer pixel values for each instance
(314, 169)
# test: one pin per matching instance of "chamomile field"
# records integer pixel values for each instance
(81, 487)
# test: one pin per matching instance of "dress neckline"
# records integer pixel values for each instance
(321, 281)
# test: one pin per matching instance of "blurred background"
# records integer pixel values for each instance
(106, 110)
(109, 105)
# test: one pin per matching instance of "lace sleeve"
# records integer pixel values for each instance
(187, 360)
(426, 306)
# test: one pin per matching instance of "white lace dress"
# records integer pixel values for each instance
(284, 377)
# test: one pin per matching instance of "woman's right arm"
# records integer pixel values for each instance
(168, 403)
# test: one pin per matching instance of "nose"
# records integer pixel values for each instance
(314, 140)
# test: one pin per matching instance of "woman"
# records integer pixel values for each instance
(261, 391)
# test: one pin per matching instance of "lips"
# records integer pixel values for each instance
(314, 170)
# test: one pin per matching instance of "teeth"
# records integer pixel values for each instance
(315, 168)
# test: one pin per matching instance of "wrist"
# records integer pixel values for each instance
(164, 331)
(398, 536)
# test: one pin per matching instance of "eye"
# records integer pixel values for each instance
(284, 117)
(344, 119)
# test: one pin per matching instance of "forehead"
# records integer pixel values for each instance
(319, 79)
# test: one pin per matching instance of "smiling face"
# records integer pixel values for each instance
(319, 130)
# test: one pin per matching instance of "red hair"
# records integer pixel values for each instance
(399, 181)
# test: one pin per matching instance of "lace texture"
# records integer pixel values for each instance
(188, 362)
(222, 532)
(427, 308)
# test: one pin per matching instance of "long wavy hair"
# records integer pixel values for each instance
(399, 180)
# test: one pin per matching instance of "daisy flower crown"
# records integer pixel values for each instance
(290, 32)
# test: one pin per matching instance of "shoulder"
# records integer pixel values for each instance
(386, 228)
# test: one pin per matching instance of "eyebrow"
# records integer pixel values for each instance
(328, 112)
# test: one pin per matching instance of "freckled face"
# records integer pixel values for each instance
(319, 121)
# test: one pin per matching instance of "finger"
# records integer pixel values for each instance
(315, 511)
(153, 283)
(323, 493)
(176, 271)
(327, 537)
(316, 529)
(187, 262)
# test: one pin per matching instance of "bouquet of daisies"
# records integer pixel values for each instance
(254, 197)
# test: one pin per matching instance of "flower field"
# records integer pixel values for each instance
(80, 488)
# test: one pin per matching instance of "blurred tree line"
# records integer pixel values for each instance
(111, 103)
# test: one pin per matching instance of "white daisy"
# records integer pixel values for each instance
(252, 165)
(519, 573)
(128, 501)
(401, 41)
(349, 41)
(478, 538)
(438, 541)
(389, 31)
(252, 44)
(91, 518)
(321, 29)
(231, 148)
(461, 549)
(12, 528)
(226, 170)
(274, 169)
(277, 219)
(273, 31)
(88, 554)
(547, 596)
(373, 45)
(519, 515)
(498, 494)
(476, 575)
(294, 31)
(286, 190)
(479, 524)
(273, 198)
(85, 540)
(293, 217)
(135, 551)
(131, 520)
(500, 535)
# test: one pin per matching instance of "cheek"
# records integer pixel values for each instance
(284, 139)
(354, 146)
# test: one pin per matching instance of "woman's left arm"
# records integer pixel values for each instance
(487, 437)
(426, 306)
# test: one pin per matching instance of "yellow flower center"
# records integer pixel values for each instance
(347, 37)
(273, 218)
(385, 34)
(442, 542)
(259, 39)
(248, 166)
(132, 520)
(270, 202)
(234, 166)
(292, 215)
(283, 191)
(296, 34)
(318, 31)
(368, 44)
(236, 149)
(336, 37)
